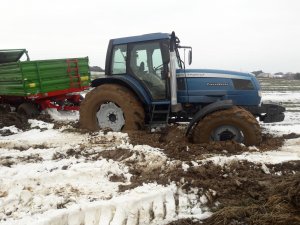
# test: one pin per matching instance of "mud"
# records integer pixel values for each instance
(171, 139)
(9, 161)
(280, 205)
(245, 193)
(291, 136)
(174, 143)
(13, 119)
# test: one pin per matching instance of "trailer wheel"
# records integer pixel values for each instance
(235, 124)
(111, 106)
(28, 109)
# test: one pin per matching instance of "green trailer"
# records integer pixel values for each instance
(32, 86)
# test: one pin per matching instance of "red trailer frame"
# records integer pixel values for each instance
(49, 99)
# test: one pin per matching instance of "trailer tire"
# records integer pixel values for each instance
(235, 124)
(28, 109)
(114, 96)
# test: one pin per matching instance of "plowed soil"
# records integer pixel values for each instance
(246, 194)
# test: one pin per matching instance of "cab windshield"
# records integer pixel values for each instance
(181, 53)
(179, 62)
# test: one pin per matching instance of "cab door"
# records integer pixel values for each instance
(147, 64)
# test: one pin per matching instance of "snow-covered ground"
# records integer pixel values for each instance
(44, 181)
(285, 92)
(59, 176)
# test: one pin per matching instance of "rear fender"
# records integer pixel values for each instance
(219, 105)
(127, 82)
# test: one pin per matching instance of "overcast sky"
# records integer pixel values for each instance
(242, 35)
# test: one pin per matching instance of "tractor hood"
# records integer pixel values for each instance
(213, 73)
(208, 85)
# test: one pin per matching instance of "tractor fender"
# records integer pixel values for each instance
(127, 82)
(219, 105)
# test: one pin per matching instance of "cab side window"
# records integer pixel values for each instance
(119, 59)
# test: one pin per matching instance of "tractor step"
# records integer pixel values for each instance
(159, 114)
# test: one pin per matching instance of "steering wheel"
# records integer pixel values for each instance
(158, 67)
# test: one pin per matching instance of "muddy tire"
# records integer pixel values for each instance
(235, 124)
(28, 109)
(116, 104)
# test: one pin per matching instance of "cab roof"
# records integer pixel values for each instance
(140, 38)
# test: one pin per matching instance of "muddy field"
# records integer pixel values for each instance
(222, 178)
(243, 192)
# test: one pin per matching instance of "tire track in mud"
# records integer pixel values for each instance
(134, 208)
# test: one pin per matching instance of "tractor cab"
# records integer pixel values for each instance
(147, 59)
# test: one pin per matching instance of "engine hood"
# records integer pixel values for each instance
(213, 73)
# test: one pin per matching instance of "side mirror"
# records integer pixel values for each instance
(190, 55)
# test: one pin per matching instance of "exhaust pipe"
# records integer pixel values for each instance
(175, 106)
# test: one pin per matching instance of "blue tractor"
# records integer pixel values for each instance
(146, 85)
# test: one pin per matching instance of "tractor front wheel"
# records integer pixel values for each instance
(236, 124)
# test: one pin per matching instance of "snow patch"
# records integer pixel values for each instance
(147, 204)
(62, 115)
(12, 129)
(38, 187)
(40, 124)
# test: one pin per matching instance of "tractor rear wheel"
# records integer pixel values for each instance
(111, 106)
(236, 124)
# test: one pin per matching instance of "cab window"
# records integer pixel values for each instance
(119, 59)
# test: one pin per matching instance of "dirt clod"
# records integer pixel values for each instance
(291, 136)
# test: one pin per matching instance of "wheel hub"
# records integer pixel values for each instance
(227, 132)
(110, 116)
(226, 135)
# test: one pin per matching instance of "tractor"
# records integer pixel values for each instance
(147, 84)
